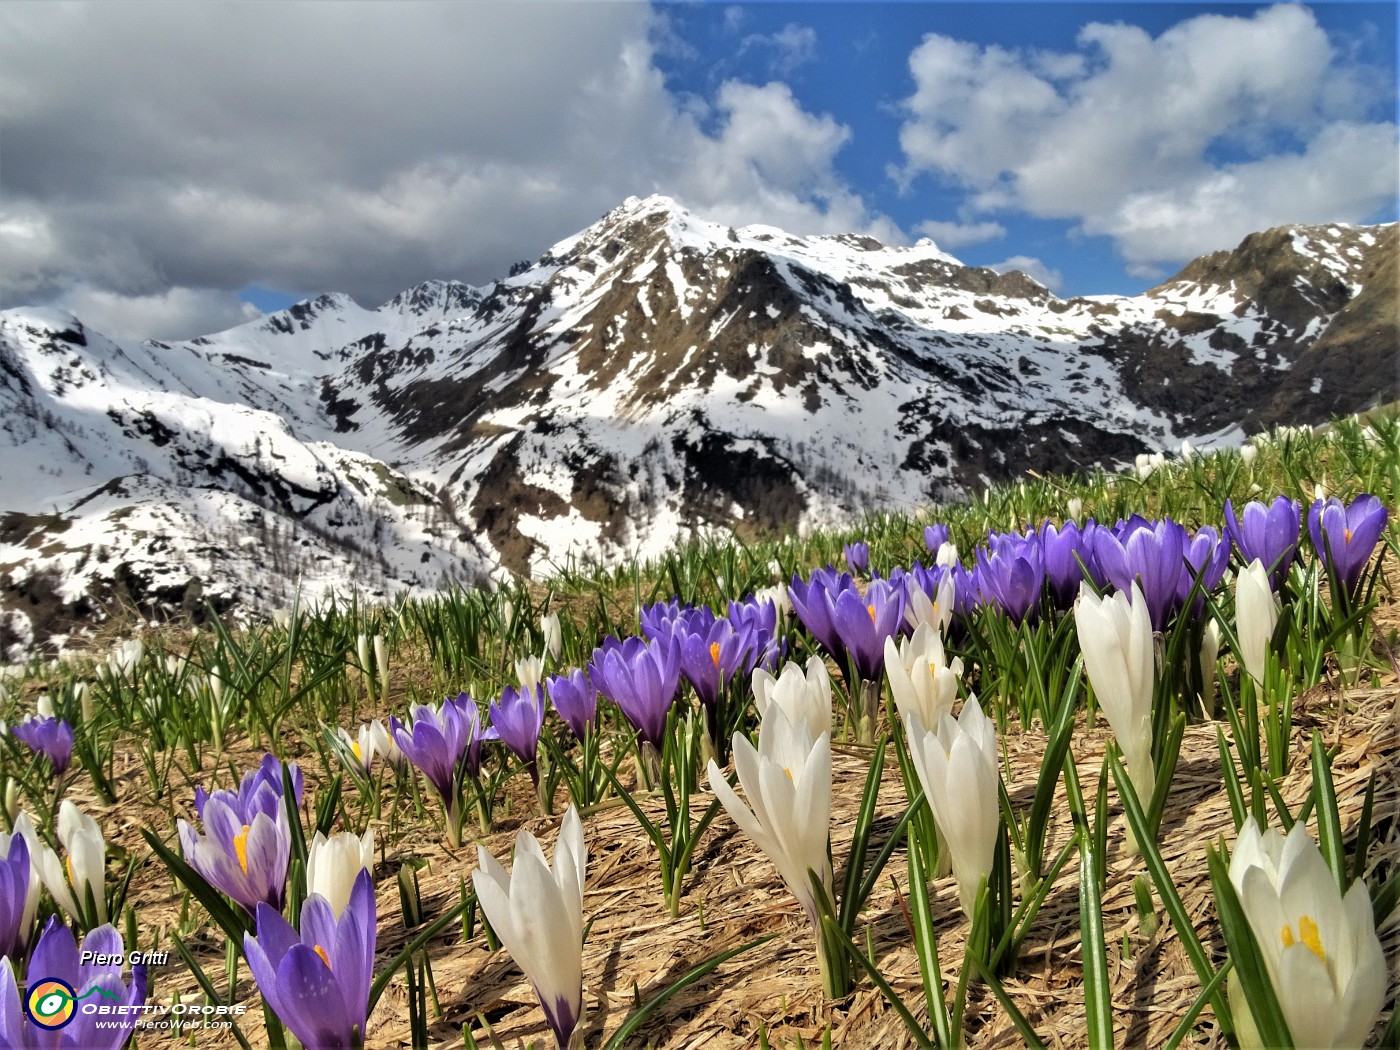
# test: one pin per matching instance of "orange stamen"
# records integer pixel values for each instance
(871, 610)
(714, 652)
(324, 957)
(240, 847)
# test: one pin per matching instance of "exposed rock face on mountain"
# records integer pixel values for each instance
(653, 377)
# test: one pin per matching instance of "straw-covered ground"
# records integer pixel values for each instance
(635, 948)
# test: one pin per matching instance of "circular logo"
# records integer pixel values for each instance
(50, 1003)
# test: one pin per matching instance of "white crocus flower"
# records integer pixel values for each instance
(778, 595)
(947, 555)
(1247, 453)
(921, 678)
(957, 766)
(937, 611)
(25, 830)
(1320, 948)
(553, 635)
(372, 741)
(804, 698)
(1209, 654)
(362, 652)
(43, 706)
(125, 657)
(787, 781)
(1115, 634)
(527, 670)
(538, 915)
(1256, 616)
(82, 872)
(381, 661)
(1074, 508)
(333, 864)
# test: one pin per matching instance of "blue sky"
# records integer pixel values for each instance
(195, 167)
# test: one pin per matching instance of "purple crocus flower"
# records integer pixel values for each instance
(1347, 535)
(318, 980)
(935, 536)
(642, 679)
(14, 898)
(1208, 555)
(576, 700)
(857, 556)
(1268, 533)
(108, 1018)
(1059, 545)
(260, 789)
(713, 654)
(1013, 574)
(813, 601)
(516, 721)
(761, 617)
(1150, 553)
(439, 738)
(51, 737)
(660, 617)
(245, 850)
(863, 622)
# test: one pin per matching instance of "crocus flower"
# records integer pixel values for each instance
(245, 851)
(1208, 556)
(527, 671)
(260, 790)
(516, 721)
(1013, 574)
(787, 781)
(642, 679)
(712, 655)
(863, 622)
(921, 678)
(803, 697)
(935, 536)
(538, 915)
(56, 959)
(812, 601)
(370, 742)
(438, 738)
(17, 902)
(553, 635)
(1268, 533)
(760, 616)
(1320, 948)
(1059, 546)
(126, 657)
(317, 980)
(1115, 635)
(931, 598)
(81, 875)
(1149, 553)
(333, 864)
(50, 737)
(957, 766)
(576, 700)
(1256, 616)
(1347, 535)
(857, 556)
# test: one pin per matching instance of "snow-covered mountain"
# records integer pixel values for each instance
(650, 378)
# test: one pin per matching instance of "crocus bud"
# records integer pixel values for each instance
(1256, 616)
(553, 635)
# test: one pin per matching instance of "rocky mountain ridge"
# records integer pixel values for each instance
(653, 377)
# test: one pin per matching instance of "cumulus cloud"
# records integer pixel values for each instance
(187, 151)
(1173, 145)
(1031, 267)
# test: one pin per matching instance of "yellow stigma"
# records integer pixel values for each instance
(68, 863)
(789, 773)
(1347, 533)
(1308, 933)
(240, 847)
(871, 610)
(355, 747)
(322, 953)
(714, 652)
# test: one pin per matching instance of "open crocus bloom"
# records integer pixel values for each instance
(538, 915)
(921, 678)
(1321, 948)
(57, 958)
(83, 873)
(787, 780)
(318, 980)
(245, 852)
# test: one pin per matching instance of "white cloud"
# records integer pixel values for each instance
(1173, 145)
(364, 147)
(1031, 267)
(954, 234)
(177, 313)
(792, 46)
